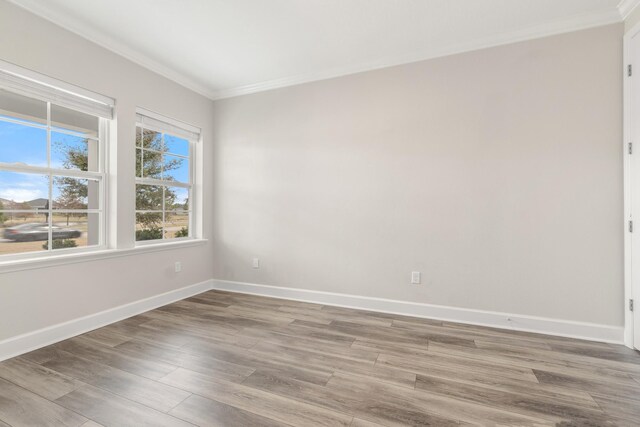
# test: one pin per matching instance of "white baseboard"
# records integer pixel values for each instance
(557, 327)
(21, 344)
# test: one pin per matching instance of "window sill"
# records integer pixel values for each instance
(56, 260)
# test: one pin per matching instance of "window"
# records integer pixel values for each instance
(164, 178)
(52, 169)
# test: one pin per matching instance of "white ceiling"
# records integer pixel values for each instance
(224, 48)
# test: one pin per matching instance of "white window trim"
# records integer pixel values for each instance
(53, 91)
(100, 176)
(147, 119)
(35, 85)
(89, 256)
(159, 123)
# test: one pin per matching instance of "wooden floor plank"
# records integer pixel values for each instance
(198, 362)
(109, 356)
(606, 361)
(468, 335)
(424, 364)
(228, 359)
(205, 412)
(531, 361)
(358, 422)
(343, 400)
(262, 403)
(510, 385)
(297, 340)
(106, 337)
(590, 385)
(139, 389)
(112, 410)
(537, 405)
(19, 407)
(37, 379)
(287, 366)
(391, 405)
(384, 374)
(390, 348)
(177, 331)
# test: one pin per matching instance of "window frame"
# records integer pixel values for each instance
(169, 124)
(101, 176)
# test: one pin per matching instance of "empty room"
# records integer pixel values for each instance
(305, 213)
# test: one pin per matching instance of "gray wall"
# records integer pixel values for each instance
(33, 299)
(496, 173)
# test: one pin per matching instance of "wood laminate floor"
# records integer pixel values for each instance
(224, 359)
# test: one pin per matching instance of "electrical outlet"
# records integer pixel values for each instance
(256, 263)
(178, 266)
(415, 277)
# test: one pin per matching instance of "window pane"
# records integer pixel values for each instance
(176, 225)
(23, 144)
(74, 230)
(20, 235)
(176, 145)
(74, 152)
(75, 193)
(151, 162)
(139, 163)
(148, 226)
(69, 230)
(23, 231)
(175, 169)
(163, 211)
(149, 197)
(66, 119)
(23, 191)
(152, 140)
(20, 107)
(176, 199)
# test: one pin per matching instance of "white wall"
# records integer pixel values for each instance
(496, 173)
(33, 299)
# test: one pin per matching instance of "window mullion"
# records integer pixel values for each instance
(50, 197)
(192, 180)
(164, 189)
(48, 135)
(25, 123)
(153, 181)
(63, 131)
(71, 173)
(50, 215)
(142, 152)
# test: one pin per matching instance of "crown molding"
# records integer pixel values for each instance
(576, 23)
(565, 26)
(625, 7)
(42, 10)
